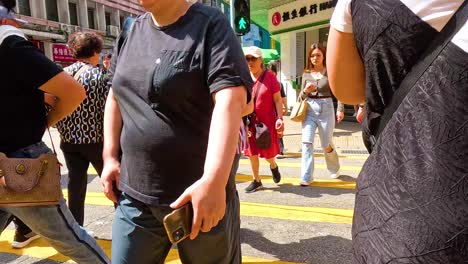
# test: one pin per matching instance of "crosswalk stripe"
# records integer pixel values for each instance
(285, 212)
(321, 155)
(91, 170)
(323, 183)
(298, 165)
(40, 249)
(297, 213)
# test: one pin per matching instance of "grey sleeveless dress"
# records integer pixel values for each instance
(412, 193)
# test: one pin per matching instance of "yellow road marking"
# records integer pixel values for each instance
(320, 155)
(40, 249)
(324, 183)
(298, 213)
(298, 165)
(91, 170)
(286, 212)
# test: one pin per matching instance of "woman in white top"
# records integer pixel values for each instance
(411, 201)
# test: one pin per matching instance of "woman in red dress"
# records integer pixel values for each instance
(268, 109)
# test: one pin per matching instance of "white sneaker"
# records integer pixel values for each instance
(335, 175)
(304, 183)
(20, 240)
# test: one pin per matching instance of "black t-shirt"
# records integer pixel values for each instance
(164, 81)
(23, 69)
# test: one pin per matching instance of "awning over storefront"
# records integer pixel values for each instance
(43, 35)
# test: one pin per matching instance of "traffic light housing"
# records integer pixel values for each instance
(241, 16)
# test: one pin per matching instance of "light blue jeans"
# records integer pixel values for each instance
(55, 223)
(321, 116)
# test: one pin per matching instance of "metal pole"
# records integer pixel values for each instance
(231, 13)
(231, 9)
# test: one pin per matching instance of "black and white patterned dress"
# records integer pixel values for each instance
(85, 124)
(412, 193)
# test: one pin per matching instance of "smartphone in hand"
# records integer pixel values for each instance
(178, 223)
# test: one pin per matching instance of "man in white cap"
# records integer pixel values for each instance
(26, 75)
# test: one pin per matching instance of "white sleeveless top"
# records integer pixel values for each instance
(435, 12)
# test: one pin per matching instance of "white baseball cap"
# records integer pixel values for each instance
(253, 51)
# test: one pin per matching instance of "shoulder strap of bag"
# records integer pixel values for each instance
(80, 71)
(257, 87)
(431, 53)
(7, 31)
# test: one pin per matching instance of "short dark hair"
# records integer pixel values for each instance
(8, 4)
(84, 44)
(273, 67)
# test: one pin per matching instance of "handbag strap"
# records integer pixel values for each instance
(82, 69)
(257, 87)
(435, 48)
(51, 141)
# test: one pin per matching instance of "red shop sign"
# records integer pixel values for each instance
(61, 53)
(276, 19)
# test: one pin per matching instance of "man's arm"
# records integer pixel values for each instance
(112, 130)
(208, 195)
(67, 100)
(345, 68)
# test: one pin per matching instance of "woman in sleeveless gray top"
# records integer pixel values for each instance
(412, 193)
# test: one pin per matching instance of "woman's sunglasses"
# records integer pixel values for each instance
(251, 58)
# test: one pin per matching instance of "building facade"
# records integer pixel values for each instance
(50, 22)
(297, 24)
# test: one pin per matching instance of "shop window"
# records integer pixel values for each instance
(122, 20)
(108, 18)
(52, 10)
(91, 20)
(73, 13)
(24, 7)
(323, 36)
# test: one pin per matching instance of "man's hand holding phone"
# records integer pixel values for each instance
(209, 205)
(178, 223)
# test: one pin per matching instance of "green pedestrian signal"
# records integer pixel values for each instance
(242, 24)
(241, 16)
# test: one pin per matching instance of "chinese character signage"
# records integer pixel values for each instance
(301, 13)
(61, 53)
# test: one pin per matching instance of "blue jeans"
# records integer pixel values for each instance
(55, 223)
(321, 116)
(138, 236)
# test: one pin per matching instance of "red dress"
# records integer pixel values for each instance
(266, 113)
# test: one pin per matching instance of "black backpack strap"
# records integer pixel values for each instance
(427, 58)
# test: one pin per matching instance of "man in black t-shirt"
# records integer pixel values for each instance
(180, 87)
